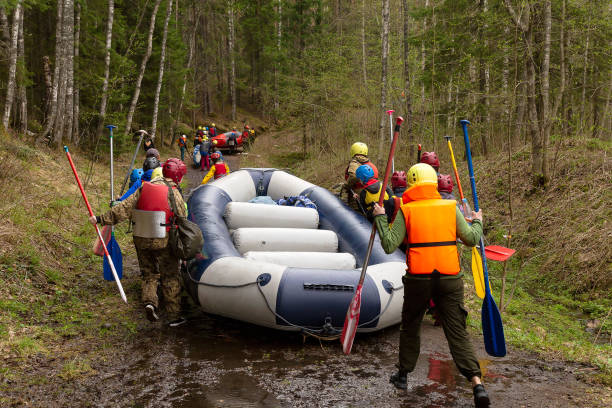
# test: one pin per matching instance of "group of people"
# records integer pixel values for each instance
(154, 194)
(420, 215)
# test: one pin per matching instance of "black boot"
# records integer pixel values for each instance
(481, 398)
(399, 379)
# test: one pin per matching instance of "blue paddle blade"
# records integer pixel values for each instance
(492, 328)
(115, 253)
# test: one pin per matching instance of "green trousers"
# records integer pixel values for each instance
(447, 294)
(160, 266)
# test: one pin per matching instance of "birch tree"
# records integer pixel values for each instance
(143, 67)
(230, 12)
(407, 93)
(162, 61)
(385, 57)
(10, 86)
(22, 96)
(69, 58)
(77, 44)
(107, 57)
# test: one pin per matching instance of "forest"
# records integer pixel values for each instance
(530, 72)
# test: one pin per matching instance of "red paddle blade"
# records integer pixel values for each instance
(498, 253)
(106, 235)
(351, 322)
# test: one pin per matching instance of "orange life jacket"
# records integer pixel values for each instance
(431, 231)
(220, 170)
(154, 197)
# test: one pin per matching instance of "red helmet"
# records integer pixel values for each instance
(431, 158)
(174, 169)
(246, 126)
(445, 183)
(398, 179)
(215, 156)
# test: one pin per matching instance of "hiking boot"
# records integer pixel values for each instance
(151, 314)
(481, 398)
(399, 380)
(177, 322)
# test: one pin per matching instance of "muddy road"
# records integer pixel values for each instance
(216, 362)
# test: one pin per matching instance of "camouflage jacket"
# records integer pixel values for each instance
(123, 211)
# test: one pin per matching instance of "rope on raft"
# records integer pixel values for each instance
(326, 333)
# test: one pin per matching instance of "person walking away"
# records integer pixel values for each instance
(152, 153)
(246, 140)
(445, 186)
(158, 264)
(431, 158)
(398, 182)
(148, 144)
(212, 130)
(204, 154)
(352, 185)
(431, 227)
(218, 169)
(150, 164)
(182, 142)
(371, 193)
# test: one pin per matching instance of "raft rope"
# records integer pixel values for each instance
(326, 329)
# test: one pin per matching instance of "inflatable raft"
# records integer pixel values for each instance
(288, 268)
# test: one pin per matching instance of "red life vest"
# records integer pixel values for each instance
(220, 170)
(154, 197)
(431, 229)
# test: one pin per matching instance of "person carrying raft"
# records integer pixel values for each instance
(182, 143)
(352, 185)
(150, 164)
(218, 169)
(431, 227)
(371, 193)
(158, 264)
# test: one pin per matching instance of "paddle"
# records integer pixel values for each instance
(477, 272)
(352, 314)
(498, 253)
(113, 245)
(419, 153)
(76, 176)
(127, 176)
(390, 113)
(492, 327)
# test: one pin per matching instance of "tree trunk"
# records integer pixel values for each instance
(50, 119)
(69, 109)
(107, 58)
(363, 45)
(160, 78)
(545, 89)
(279, 32)
(5, 32)
(77, 41)
(584, 81)
(194, 22)
(58, 127)
(383, 87)
(423, 60)
(407, 93)
(21, 94)
(484, 84)
(10, 86)
(143, 67)
(232, 80)
(136, 30)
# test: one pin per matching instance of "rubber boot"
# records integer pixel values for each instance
(399, 379)
(481, 398)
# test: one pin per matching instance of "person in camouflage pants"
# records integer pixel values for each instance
(158, 264)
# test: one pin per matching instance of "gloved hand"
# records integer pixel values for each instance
(114, 203)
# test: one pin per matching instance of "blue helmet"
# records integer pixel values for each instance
(136, 175)
(364, 173)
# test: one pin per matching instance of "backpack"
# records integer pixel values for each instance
(185, 237)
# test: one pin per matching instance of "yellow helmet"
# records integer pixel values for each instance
(213, 125)
(157, 173)
(359, 148)
(199, 127)
(215, 142)
(421, 174)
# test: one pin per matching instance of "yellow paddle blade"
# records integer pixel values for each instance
(477, 273)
